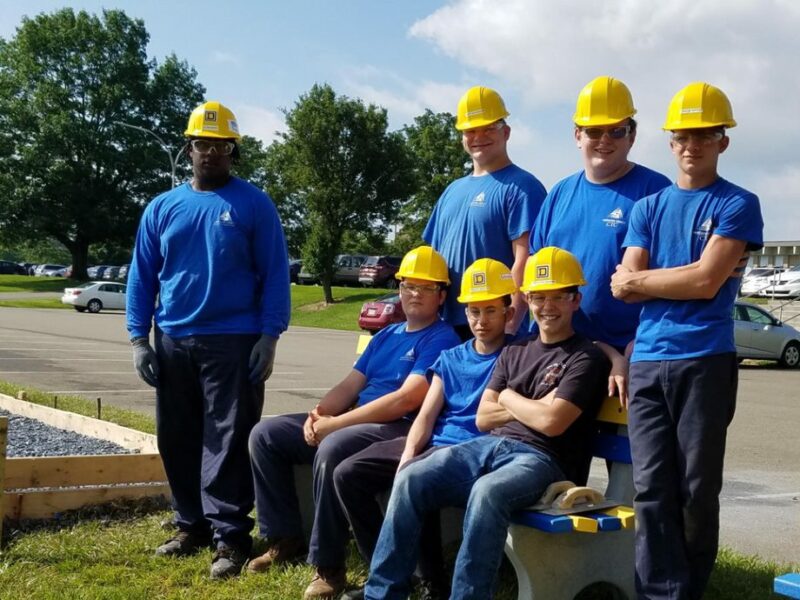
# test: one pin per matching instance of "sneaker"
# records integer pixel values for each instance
(327, 583)
(281, 551)
(227, 562)
(357, 594)
(184, 543)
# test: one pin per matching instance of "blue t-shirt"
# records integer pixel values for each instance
(479, 217)
(590, 220)
(464, 374)
(394, 354)
(674, 226)
(216, 261)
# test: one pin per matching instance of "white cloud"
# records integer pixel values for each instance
(544, 52)
(259, 122)
(225, 58)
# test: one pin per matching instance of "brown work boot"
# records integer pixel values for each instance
(281, 551)
(327, 583)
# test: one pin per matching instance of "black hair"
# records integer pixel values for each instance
(632, 124)
(507, 300)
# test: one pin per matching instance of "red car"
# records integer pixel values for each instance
(381, 312)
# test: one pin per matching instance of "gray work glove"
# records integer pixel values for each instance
(262, 356)
(145, 361)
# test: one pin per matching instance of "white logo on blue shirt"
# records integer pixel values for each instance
(409, 355)
(226, 219)
(615, 218)
(479, 200)
(704, 231)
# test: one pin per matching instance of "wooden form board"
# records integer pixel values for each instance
(3, 437)
(124, 436)
(68, 471)
(44, 504)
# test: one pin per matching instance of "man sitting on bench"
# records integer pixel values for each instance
(539, 406)
(371, 404)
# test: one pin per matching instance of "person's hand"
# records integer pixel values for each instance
(262, 357)
(323, 426)
(145, 361)
(308, 428)
(618, 379)
(619, 281)
(407, 455)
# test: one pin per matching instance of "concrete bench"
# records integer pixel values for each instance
(788, 585)
(555, 557)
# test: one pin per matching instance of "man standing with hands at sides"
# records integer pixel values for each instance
(210, 268)
(587, 213)
(489, 213)
(682, 245)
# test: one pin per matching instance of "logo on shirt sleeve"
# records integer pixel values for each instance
(226, 219)
(615, 218)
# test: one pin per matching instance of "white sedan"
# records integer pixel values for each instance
(94, 296)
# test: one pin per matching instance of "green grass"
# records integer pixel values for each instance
(107, 553)
(24, 283)
(308, 307)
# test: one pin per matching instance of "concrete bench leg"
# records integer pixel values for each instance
(557, 566)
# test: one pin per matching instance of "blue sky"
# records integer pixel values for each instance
(258, 57)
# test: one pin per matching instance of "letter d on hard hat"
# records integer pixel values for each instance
(480, 106)
(603, 101)
(552, 268)
(212, 120)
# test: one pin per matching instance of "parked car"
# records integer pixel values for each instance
(784, 285)
(94, 296)
(11, 268)
(111, 273)
(347, 267)
(48, 270)
(379, 271)
(295, 265)
(381, 312)
(29, 267)
(760, 335)
(123, 273)
(756, 281)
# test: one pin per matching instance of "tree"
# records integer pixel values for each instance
(68, 170)
(341, 168)
(435, 147)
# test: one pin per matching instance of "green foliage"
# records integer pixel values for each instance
(439, 159)
(68, 170)
(340, 171)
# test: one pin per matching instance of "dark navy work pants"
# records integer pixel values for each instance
(678, 418)
(360, 480)
(276, 445)
(205, 409)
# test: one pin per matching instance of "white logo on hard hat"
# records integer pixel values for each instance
(691, 111)
(233, 126)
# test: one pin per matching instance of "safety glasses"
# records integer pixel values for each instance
(615, 133)
(215, 147)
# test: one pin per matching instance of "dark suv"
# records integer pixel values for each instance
(378, 271)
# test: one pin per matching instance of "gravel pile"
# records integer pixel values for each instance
(29, 437)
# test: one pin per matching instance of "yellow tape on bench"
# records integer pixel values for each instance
(612, 412)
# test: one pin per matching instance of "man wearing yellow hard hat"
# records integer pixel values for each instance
(489, 213)
(587, 213)
(446, 417)
(538, 407)
(210, 269)
(373, 403)
(682, 245)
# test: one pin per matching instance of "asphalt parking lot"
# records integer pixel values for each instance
(64, 352)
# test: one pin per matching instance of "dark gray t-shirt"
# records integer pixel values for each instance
(580, 372)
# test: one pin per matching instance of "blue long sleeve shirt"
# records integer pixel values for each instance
(209, 263)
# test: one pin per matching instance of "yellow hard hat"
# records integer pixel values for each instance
(478, 107)
(423, 263)
(212, 120)
(486, 279)
(552, 268)
(697, 106)
(603, 101)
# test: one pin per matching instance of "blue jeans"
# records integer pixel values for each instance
(492, 476)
